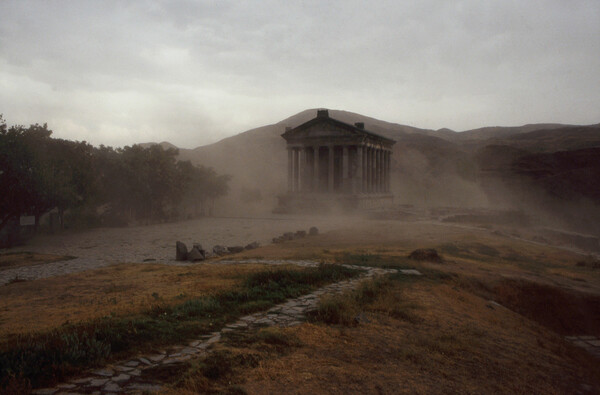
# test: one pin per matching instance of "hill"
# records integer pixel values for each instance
(484, 167)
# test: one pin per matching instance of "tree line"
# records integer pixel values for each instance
(98, 185)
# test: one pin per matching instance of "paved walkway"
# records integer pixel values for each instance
(133, 375)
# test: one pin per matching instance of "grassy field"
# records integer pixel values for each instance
(490, 317)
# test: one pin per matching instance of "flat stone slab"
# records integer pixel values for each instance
(104, 372)
(112, 387)
(156, 357)
(411, 272)
(98, 382)
(120, 378)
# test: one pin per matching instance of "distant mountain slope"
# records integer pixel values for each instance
(478, 167)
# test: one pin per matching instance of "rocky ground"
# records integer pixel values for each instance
(155, 243)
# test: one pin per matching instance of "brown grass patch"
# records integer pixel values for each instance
(459, 344)
(119, 289)
(19, 259)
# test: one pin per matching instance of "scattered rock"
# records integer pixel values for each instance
(112, 387)
(104, 372)
(235, 249)
(252, 245)
(313, 231)
(361, 318)
(425, 254)
(196, 255)
(181, 251)
(220, 250)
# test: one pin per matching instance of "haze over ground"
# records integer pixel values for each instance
(194, 72)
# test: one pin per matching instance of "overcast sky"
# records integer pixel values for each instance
(193, 72)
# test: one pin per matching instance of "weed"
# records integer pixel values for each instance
(374, 295)
(44, 358)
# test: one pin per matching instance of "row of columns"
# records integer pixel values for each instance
(364, 169)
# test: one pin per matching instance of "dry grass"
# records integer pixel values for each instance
(457, 344)
(466, 250)
(20, 259)
(119, 289)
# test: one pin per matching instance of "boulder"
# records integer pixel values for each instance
(425, 254)
(220, 250)
(196, 255)
(252, 245)
(313, 231)
(181, 251)
(235, 249)
(300, 234)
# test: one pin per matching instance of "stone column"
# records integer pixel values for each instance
(373, 170)
(387, 170)
(315, 179)
(345, 169)
(330, 172)
(300, 170)
(290, 170)
(379, 170)
(295, 169)
(368, 170)
(358, 183)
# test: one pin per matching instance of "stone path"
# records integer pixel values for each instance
(135, 376)
(590, 343)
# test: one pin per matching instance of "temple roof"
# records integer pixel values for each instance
(327, 127)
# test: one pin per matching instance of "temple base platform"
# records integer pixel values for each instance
(299, 202)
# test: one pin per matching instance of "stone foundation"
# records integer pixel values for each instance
(326, 203)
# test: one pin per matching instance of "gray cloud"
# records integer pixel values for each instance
(193, 72)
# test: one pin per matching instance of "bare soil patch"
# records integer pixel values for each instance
(564, 311)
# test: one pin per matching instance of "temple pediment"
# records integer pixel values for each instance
(322, 128)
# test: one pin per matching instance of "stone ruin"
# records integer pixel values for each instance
(197, 253)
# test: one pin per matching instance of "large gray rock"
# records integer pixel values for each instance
(196, 255)
(220, 250)
(181, 251)
(235, 249)
(252, 245)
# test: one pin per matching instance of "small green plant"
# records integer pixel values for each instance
(44, 358)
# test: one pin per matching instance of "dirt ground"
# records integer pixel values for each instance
(454, 340)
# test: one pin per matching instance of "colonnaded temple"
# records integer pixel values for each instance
(334, 163)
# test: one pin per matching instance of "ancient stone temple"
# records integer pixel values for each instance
(332, 163)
